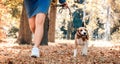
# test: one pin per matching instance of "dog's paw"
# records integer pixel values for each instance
(83, 54)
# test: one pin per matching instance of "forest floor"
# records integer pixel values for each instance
(60, 52)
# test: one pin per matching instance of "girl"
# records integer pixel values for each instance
(36, 12)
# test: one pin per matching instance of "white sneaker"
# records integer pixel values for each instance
(35, 52)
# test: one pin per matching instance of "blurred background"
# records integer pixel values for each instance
(100, 17)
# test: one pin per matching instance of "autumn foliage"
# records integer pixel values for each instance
(2, 22)
(58, 53)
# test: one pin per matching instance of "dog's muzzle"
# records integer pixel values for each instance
(84, 33)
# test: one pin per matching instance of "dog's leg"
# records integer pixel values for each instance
(75, 52)
(85, 49)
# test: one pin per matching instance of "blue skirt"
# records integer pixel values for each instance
(34, 7)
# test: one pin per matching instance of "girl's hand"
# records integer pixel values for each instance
(65, 5)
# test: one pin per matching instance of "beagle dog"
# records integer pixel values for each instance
(81, 38)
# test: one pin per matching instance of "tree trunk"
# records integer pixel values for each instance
(24, 31)
(53, 9)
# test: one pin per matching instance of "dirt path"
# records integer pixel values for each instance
(59, 53)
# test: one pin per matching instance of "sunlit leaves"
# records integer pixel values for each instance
(14, 6)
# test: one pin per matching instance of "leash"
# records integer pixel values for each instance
(62, 8)
(69, 30)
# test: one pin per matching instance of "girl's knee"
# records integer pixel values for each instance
(40, 19)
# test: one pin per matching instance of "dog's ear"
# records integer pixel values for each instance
(87, 37)
(77, 29)
(78, 33)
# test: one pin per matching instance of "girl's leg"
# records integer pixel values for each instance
(38, 33)
(39, 30)
(32, 24)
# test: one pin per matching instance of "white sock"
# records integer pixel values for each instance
(32, 35)
(75, 52)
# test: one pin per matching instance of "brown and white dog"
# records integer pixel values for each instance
(81, 38)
